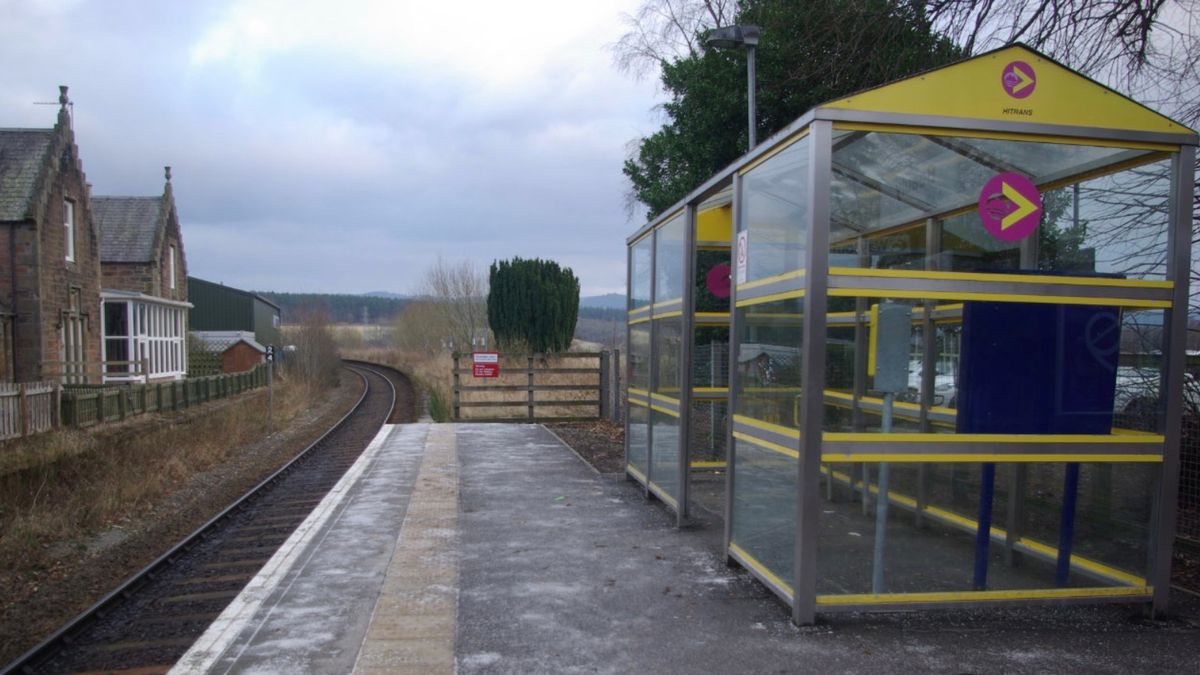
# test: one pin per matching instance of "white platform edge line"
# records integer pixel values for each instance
(220, 635)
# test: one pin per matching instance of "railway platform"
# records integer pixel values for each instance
(494, 548)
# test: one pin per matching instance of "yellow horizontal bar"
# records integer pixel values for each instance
(669, 315)
(996, 297)
(639, 392)
(774, 297)
(794, 274)
(984, 596)
(1084, 563)
(666, 411)
(919, 457)
(707, 465)
(1005, 136)
(996, 532)
(767, 445)
(754, 564)
(710, 390)
(712, 317)
(664, 303)
(767, 426)
(639, 310)
(662, 494)
(668, 399)
(638, 474)
(905, 437)
(994, 276)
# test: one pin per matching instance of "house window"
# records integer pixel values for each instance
(171, 264)
(69, 223)
(143, 340)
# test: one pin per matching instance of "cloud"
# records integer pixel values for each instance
(343, 146)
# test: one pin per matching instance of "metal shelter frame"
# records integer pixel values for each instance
(969, 118)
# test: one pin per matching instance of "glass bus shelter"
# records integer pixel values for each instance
(947, 316)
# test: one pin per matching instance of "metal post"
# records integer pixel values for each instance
(881, 503)
(628, 347)
(688, 333)
(731, 374)
(1175, 321)
(750, 74)
(808, 485)
(270, 394)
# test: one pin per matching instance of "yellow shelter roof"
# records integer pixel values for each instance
(1012, 84)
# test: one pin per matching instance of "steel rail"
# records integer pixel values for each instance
(40, 653)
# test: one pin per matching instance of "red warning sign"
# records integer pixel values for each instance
(485, 364)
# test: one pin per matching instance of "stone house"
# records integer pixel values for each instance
(144, 296)
(50, 248)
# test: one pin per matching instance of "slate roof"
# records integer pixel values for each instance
(23, 154)
(128, 227)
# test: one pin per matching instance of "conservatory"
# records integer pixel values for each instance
(931, 338)
(145, 337)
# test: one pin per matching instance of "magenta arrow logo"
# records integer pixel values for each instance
(1010, 207)
(1018, 79)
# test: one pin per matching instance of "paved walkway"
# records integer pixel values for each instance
(493, 548)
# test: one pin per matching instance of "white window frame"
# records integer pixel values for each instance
(157, 335)
(69, 224)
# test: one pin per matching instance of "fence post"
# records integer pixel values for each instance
(23, 408)
(454, 416)
(603, 384)
(529, 377)
(617, 412)
(56, 420)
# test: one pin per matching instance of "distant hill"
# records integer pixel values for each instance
(368, 309)
(386, 294)
(606, 301)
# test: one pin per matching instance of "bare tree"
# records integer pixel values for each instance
(664, 30)
(456, 296)
(315, 359)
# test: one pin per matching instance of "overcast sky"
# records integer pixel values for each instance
(342, 146)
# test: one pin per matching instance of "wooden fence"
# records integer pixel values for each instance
(567, 387)
(86, 405)
(27, 409)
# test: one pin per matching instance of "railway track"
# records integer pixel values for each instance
(147, 623)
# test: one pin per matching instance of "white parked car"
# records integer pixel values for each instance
(945, 389)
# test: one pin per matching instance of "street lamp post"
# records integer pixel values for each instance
(737, 37)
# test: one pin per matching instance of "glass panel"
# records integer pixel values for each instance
(639, 356)
(664, 455)
(1116, 224)
(1090, 222)
(1099, 512)
(774, 212)
(768, 361)
(710, 357)
(668, 347)
(639, 437)
(712, 280)
(1020, 368)
(641, 276)
(669, 255)
(764, 507)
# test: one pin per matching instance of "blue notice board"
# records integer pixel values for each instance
(1031, 368)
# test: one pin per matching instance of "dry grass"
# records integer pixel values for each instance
(63, 485)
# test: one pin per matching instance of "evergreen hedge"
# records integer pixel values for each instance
(532, 303)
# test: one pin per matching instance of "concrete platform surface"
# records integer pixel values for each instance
(490, 548)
